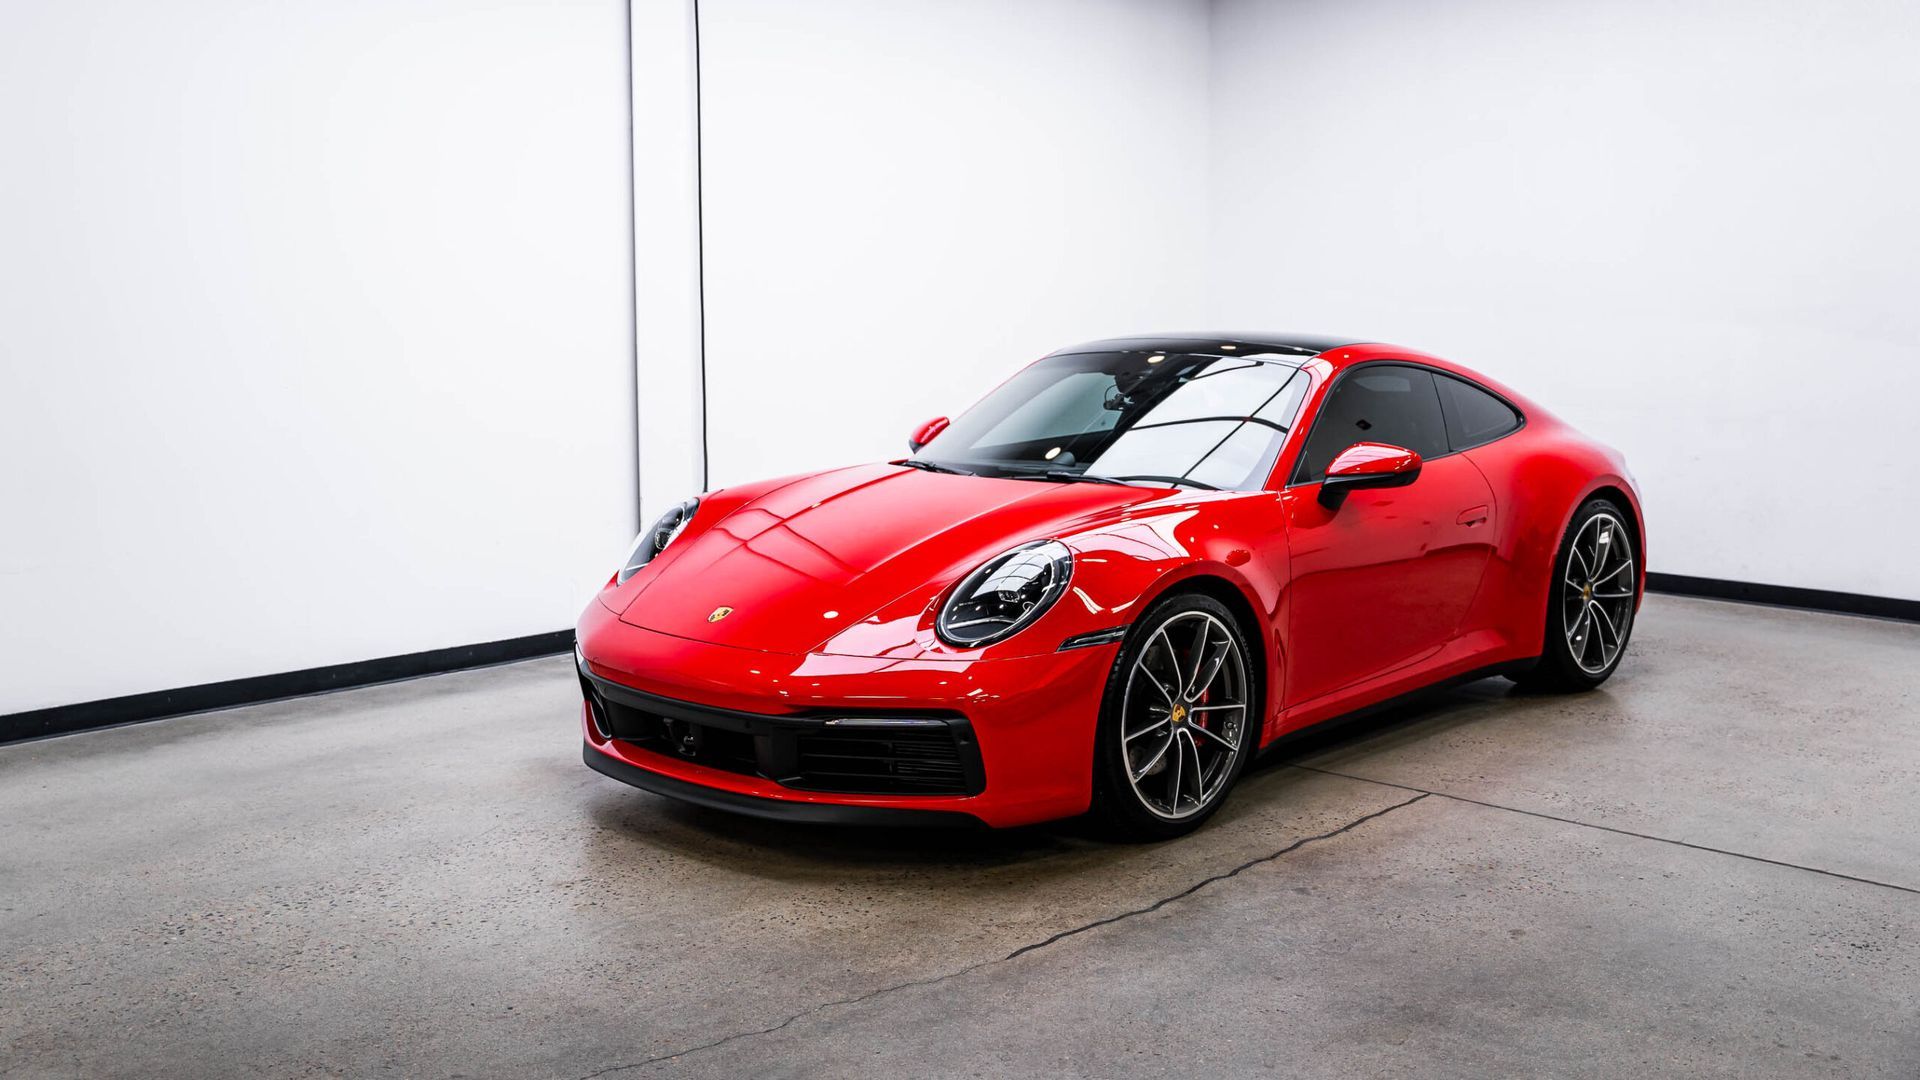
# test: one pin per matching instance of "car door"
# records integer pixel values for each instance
(1383, 579)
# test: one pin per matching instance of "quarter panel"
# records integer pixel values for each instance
(1540, 477)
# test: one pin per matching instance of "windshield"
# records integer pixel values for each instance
(1212, 421)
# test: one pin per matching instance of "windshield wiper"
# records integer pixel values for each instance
(1068, 476)
(934, 467)
(915, 463)
(1179, 480)
(1063, 476)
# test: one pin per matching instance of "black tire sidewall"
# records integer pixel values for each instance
(1114, 803)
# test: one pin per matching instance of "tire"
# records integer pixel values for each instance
(1589, 615)
(1210, 732)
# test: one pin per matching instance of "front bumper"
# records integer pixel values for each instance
(806, 813)
(1024, 725)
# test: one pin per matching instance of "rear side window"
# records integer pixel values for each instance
(1382, 403)
(1474, 417)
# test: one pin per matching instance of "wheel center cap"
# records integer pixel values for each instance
(1179, 713)
(1586, 593)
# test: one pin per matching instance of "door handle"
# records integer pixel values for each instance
(1475, 516)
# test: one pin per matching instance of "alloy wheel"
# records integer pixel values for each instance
(1597, 593)
(1184, 715)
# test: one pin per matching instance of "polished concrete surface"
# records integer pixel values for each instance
(1709, 867)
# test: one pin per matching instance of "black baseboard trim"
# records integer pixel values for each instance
(1842, 603)
(134, 708)
(159, 704)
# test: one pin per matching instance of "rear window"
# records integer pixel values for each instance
(1474, 416)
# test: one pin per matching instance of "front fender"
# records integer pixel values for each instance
(1228, 544)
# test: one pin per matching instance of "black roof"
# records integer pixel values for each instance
(1227, 342)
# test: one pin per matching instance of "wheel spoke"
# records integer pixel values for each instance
(1596, 639)
(1160, 638)
(1625, 564)
(1148, 730)
(1574, 553)
(1231, 746)
(1140, 665)
(1141, 773)
(1192, 688)
(1179, 768)
(1606, 655)
(1594, 617)
(1156, 685)
(1199, 772)
(1214, 708)
(1213, 672)
(1575, 636)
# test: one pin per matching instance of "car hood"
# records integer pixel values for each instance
(801, 563)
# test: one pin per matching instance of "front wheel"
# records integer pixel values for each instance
(1179, 720)
(1594, 594)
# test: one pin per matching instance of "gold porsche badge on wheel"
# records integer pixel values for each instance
(719, 613)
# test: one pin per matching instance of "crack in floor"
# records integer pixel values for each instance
(1608, 828)
(1204, 882)
(1019, 952)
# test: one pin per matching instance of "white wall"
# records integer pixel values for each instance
(314, 332)
(907, 199)
(1690, 229)
(315, 318)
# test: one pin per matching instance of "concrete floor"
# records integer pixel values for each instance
(1711, 867)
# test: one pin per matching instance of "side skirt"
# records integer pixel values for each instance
(1330, 729)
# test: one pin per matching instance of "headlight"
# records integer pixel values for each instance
(1004, 594)
(656, 538)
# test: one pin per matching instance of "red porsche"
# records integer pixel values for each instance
(1108, 585)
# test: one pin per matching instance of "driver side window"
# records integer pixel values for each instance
(1382, 403)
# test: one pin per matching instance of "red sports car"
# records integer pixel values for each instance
(1107, 585)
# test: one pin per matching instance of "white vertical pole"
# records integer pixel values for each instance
(667, 310)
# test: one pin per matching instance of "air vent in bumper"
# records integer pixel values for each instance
(844, 753)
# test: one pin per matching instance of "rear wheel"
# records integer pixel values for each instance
(1593, 597)
(1178, 722)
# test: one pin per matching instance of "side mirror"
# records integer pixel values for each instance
(1367, 465)
(924, 434)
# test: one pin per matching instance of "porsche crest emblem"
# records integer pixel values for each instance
(719, 613)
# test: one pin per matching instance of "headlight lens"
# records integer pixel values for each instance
(656, 538)
(1004, 594)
